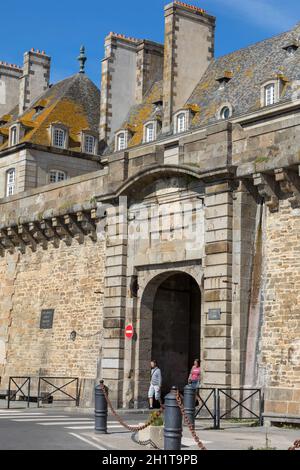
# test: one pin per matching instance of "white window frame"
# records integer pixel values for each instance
(10, 182)
(147, 136)
(57, 129)
(89, 144)
(220, 114)
(270, 94)
(183, 125)
(276, 84)
(123, 134)
(14, 135)
(58, 175)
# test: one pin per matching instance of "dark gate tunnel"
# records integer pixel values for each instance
(176, 328)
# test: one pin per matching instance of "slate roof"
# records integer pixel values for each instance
(247, 69)
(250, 68)
(73, 102)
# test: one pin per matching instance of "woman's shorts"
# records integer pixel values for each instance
(195, 384)
(154, 390)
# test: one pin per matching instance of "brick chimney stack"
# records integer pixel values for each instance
(189, 49)
(35, 78)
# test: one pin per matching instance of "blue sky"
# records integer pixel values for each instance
(59, 27)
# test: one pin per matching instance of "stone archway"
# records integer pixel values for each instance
(169, 329)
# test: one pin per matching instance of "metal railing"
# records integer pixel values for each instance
(58, 389)
(239, 404)
(205, 405)
(12, 394)
(232, 405)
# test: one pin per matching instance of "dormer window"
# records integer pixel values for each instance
(181, 121)
(121, 140)
(13, 136)
(270, 94)
(224, 78)
(271, 90)
(291, 47)
(10, 182)
(150, 131)
(89, 144)
(59, 137)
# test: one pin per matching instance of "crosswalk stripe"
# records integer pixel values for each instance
(87, 441)
(62, 423)
(80, 427)
(40, 418)
(18, 416)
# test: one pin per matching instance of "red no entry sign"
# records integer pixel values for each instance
(129, 331)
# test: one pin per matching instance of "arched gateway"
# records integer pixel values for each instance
(169, 329)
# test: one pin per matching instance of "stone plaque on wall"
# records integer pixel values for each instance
(46, 319)
(214, 314)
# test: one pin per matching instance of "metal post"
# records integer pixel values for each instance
(8, 398)
(215, 409)
(77, 392)
(261, 408)
(189, 402)
(100, 410)
(28, 392)
(218, 410)
(173, 422)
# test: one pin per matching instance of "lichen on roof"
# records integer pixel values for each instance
(75, 102)
(250, 68)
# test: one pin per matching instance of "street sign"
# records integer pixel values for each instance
(129, 331)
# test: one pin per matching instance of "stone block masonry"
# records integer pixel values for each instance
(68, 279)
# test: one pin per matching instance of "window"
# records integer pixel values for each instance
(59, 137)
(56, 176)
(10, 182)
(121, 141)
(13, 135)
(270, 94)
(89, 144)
(225, 113)
(149, 134)
(181, 122)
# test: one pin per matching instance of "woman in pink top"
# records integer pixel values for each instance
(194, 377)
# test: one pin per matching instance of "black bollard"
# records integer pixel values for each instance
(100, 410)
(189, 402)
(173, 422)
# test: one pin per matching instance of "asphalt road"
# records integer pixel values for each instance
(45, 429)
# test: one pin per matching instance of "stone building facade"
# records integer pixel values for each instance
(188, 230)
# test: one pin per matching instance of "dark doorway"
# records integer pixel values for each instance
(176, 328)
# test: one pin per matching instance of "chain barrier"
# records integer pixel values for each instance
(295, 446)
(188, 423)
(156, 414)
(144, 443)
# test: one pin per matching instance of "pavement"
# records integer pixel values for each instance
(73, 429)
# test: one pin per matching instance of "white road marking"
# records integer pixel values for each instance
(93, 427)
(80, 427)
(40, 418)
(87, 441)
(18, 416)
(59, 423)
(190, 442)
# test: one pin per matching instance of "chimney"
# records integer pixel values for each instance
(9, 86)
(118, 83)
(150, 63)
(35, 78)
(189, 48)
